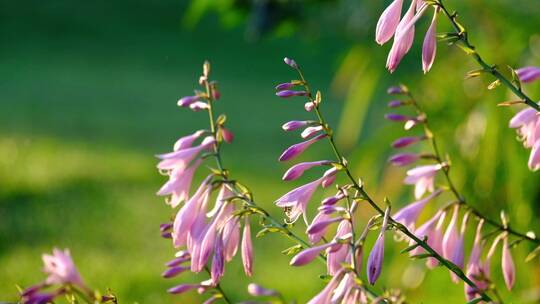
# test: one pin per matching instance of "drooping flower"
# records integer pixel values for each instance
(403, 159)
(423, 178)
(297, 149)
(307, 255)
(60, 268)
(527, 123)
(432, 229)
(409, 214)
(429, 47)
(179, 184)
(295, 201)
(325, 296)
(247, 249)
(297, 170)
(507, 265)
(528, 74)
(376, 256)
(452, 245)
(336, 258)
(477, 271)
(257, 290)
(180, 159)
(388, 22)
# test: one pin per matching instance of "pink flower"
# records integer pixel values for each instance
(257, 290)
(227, 135)
(528, 74)
(183, 288)
(296, 200)
(527, 123)
(231, 237)
(477, 270)
(310, 131)
(180, 159)
(60, 269)
(297, 149)
(388, 22)
(429, 48)
(319, 226)
(178, 184)
(423, 177)
(507, 264)
(452, 245)
(187, 141)
(325, 296)
(218, 262)
(403, 39)
(247, 249)
(307, 255)
(432, 229)
(408, 215)
(187, 215)
(297, 170)
(335, 258)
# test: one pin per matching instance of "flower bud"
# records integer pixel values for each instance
(290, 62)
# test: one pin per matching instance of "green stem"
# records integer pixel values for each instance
(492, 69)
(364, 195)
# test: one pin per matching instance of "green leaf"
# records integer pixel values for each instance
(533, 254)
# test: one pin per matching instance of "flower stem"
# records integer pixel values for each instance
(461, 33)
(446, 170)
(365, 196)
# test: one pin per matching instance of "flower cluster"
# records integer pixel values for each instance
(392, 24)
(64, 279)
(527, 121)
(204, 233)
(343, 252)
(446, 237)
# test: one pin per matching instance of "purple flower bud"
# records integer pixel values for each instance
(528, 74)
(177, 261)
(187, 101)
(164, 227)
(333, 199)
(403, 159)
(247, 249)
(295, 124)
(376, 256)
(198, 106)
(174, 271)
(182, 288)
(396, 90)
(395, 103)
(309, 106)
(297, 149)
(284, 86)
(310, 131)
(405, 141)
(297, 170)
(227, 135)
(259, 291)
(397, 117)
(290, 62)
(290, 93)
(508, 268)
(329, 177)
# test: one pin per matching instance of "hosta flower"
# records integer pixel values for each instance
(528, 74)
(527, 123)
(325, 296)
(507, 265)
(432, 229)
(388, 22)
(403, 159)
(409, 214)
(180, 159)
(295, 201)
(257, 290)
(297, 149)
(179, 184)
(336, 258)
(297, 170)
(60, 268)
(452, 245)
(477, 271)
(376, 256)
(307, 255)
(247, 249)
(423, 178)
(429, 47)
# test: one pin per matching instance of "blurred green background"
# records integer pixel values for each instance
(88, 96)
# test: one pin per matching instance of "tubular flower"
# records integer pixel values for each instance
(423, 178)
(376, 256)
(528, 74)
(527, 123)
